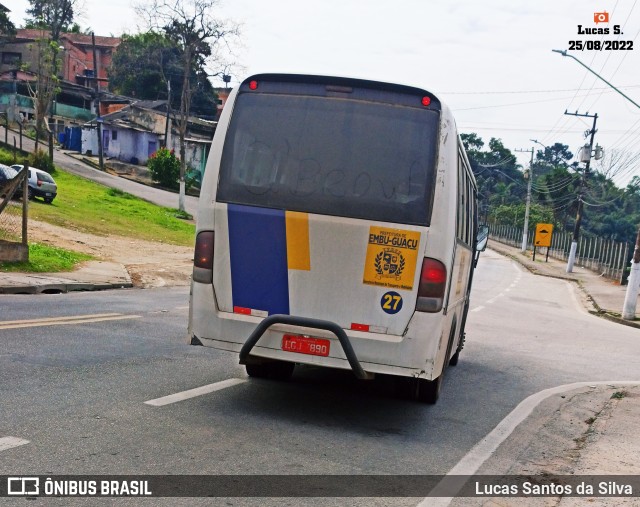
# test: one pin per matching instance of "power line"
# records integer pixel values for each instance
(529, 91)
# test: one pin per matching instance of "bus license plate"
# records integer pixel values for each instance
(306, 345)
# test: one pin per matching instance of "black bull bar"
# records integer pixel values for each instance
(310, 323)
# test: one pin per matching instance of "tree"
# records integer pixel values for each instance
(7, 28)
(191, 26)
(143, 65)
(46, 85)
(513, 214)
(53, 15)
(556, 155)
(497, 173)
(617, 163)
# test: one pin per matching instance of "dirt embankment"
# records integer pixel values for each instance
(149, 263)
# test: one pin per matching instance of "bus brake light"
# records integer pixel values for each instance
(433, 280)
(203, 257)
(426, 101)
(253, 85)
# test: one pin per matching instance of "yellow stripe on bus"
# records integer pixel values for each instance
(298, 256)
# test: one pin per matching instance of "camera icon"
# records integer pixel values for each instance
(600, 17)
(23, 486)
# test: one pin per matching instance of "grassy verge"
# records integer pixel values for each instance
(89, 207)
(93, 208)
(45, 259)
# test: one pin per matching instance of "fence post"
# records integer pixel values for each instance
(614, 258)
(624, 262)
(619, 269)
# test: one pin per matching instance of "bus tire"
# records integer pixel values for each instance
(455, 357)
(274, 370)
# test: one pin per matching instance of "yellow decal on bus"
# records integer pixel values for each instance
(391, 260)
(297, 227)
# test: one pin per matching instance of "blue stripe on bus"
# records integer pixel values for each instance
(258, 256)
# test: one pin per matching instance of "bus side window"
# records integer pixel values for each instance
(461, 225)
(470, 213)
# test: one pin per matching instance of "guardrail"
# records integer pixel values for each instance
(605, 256)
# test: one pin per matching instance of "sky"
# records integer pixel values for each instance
(491, 62)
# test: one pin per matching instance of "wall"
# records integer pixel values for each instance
(89, 140)
(129, 144)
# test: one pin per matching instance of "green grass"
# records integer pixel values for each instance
(46, 259)
(93, 208)
(90, 207)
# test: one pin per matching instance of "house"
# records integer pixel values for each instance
(135, 131)
(73, 105)
(223, 95)
(75, 53)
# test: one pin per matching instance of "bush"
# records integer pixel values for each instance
(41, 160)
(165, 168)
(6, 157)
(193, 178)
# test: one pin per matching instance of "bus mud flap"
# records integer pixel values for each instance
(311, 323)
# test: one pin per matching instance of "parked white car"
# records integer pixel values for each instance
(41, 184)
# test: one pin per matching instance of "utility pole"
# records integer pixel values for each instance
(97, 91)
(583, 184)
(633, 285)
(525, 231)
(167, 126)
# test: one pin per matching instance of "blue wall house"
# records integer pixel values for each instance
(133, 133)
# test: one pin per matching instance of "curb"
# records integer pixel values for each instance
(598, 312)
(63, 288)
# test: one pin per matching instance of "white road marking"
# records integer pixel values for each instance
(483, 450)
(493, 299)
(64, 321)
(477, 308)
(192, 393)
(11, 442)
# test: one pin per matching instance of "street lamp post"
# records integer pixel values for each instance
(564, 53)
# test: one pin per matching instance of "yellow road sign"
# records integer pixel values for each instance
(543, 234)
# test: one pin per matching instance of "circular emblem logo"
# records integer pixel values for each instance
(391, 302)
(389, 263)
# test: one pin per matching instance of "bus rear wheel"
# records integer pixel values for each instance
(274, 370)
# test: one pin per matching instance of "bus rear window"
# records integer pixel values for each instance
(330, 156)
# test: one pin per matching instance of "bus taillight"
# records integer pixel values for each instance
(433, 280)
(203, 257)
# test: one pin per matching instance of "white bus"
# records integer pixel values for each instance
(336, 227)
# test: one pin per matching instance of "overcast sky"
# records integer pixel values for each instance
(490, 61)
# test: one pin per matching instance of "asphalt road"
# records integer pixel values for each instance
(71, 164)
(76, 389)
